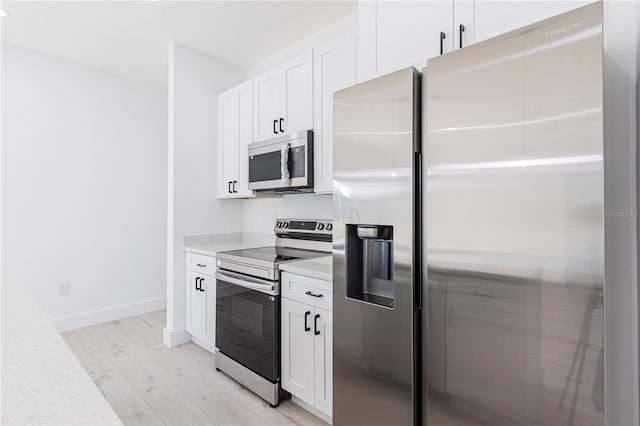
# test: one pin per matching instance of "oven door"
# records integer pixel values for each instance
(269, 165)
(248, 323)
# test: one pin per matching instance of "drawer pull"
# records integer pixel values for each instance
(308, 293)
(201, 265)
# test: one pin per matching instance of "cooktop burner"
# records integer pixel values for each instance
(273, 255)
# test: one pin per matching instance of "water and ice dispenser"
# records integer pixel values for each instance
(369, 264)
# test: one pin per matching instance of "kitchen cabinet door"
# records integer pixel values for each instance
(296, 94)
(227, 142)
(209, 317)
(297, 350)
(266, 105)
(323, 361)
(245, 137)
(195, 305)
(407, 33)
(330, 74)
(354, 59)
(483, 19)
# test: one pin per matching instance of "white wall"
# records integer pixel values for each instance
(260, 213)
(194, 82)
(83, 188)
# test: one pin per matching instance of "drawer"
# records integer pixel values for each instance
(203, 264)
(310, 291)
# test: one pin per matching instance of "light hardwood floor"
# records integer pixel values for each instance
(148, 383)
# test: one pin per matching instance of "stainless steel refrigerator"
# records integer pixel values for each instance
(376, 241)
(514, 317)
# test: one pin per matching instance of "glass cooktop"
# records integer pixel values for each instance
(272, 255)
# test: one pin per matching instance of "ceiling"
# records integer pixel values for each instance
(131, 37)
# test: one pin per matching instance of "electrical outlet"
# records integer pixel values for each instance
(64, 289)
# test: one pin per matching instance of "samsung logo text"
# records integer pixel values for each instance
(563, 29)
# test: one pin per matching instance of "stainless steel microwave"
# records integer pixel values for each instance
(283, 164)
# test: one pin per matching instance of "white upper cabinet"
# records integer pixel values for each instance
(283, 98)
(398, 34)
(482, 19)
(330, 74)
(266, 105)
(245, 137)
(227, 142)
(235, 133)
(296, 94)
(354, 59)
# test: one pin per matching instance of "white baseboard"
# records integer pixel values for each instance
(87, 319)
(173, 338)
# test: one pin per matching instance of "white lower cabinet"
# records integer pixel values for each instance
(201, 300)
(323, 362)
(307, 350)
(298, 350)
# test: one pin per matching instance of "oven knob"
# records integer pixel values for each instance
(285, 225)
(320, 226)
(329, 226)
(279, 225)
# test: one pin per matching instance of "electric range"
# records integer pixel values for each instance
(248, 303)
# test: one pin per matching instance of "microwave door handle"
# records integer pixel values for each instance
(285, 176)
(245, 282)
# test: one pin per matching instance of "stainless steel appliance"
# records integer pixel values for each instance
(248, 303)
(283, 164)
(376, 242)
(514, 330)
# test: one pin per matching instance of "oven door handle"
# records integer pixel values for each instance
(246, 282)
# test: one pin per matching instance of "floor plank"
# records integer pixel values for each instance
(126, 402)
(149, 383)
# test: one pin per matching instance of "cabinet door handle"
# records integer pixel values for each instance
(442, 37)
(308, 293)
(197, 283)
(201, 281)
(274, 127)
(306, 317)
(315, 324)
(462, 29)
(230, 192)
(200, 265)
(281, 129)
(235, 189)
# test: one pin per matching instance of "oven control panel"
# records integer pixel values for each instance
(303, 226)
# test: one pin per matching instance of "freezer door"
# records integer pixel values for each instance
(376, 132)
(514, 228)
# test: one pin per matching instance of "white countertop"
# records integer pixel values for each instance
(209, 245)
(42, 381)
(319, 267)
